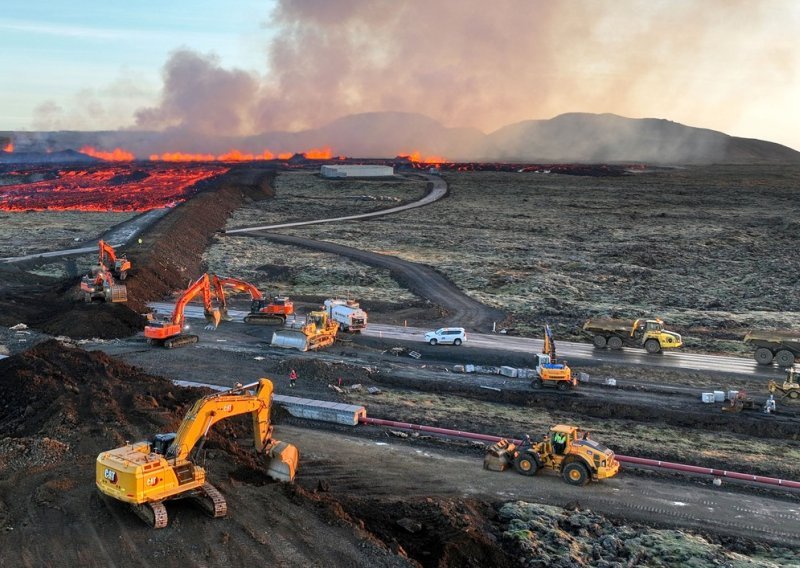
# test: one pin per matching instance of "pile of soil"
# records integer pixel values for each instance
(166, 261)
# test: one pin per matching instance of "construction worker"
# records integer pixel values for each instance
(559, 442)
(770, 406)
(292, 378)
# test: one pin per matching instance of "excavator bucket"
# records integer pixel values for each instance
(290, 339)
(213, 317)
(282, 459)
(119, 293)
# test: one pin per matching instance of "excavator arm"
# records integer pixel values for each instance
(202, 285)
(215, 407)
(106, 250)
(220, 283)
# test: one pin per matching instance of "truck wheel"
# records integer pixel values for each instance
(575, 473)
(784, 358)
(793, 394)
(763, 356)
(525, 464)
(537, 383)
(433, 341)
(652, 346)
(456, 342)
(563, 385)
(599, 341)
(615, 342)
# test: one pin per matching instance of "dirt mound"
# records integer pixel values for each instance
(166, 261)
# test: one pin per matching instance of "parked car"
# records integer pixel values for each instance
(444, 335)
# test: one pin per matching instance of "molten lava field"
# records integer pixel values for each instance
(105, 187)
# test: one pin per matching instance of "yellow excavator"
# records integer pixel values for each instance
(319, 331)
(146, 474)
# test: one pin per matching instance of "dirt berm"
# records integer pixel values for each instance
(166, 261)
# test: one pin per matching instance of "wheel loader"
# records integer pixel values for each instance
(147, 474)
(564, 449)
(790, 387)
(319, 331)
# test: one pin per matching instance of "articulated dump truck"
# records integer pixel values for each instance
(647, 333)
(780, 347)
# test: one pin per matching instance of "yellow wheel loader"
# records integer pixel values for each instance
(146, 474)
(319, 331)
(565, 449)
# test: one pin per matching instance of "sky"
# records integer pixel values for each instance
(252, 66)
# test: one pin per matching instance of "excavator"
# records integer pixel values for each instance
(319, 331)
(549, 371)
(100, 285)
(146, 474)
(119, 265)
(263, 311)
(167, 332)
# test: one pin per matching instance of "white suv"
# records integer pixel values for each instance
(454, 335)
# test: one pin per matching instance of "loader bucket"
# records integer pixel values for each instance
(119, 293)
(290, 339)
(282, 460)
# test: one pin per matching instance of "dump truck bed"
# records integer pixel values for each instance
(776, 338)
(609, 324)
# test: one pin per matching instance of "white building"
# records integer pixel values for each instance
(348, 171)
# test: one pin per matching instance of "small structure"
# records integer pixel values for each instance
(355, 171)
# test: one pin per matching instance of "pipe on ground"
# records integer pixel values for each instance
(624, 459)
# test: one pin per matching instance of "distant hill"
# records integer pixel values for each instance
(573, 137)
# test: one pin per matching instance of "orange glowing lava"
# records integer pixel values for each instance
(116, 155)
(9, 147)
(106, 187)
(319, 153)
(416, 156)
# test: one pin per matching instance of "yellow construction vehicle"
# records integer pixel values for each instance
(647, 333)
(548, 370)
(790, 387)
(319, 331)
(146, 474)
(565, 449)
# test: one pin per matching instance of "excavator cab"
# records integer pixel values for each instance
(161, 443)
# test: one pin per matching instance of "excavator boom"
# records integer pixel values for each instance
(169, 331)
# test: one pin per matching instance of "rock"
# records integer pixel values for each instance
(410, 525)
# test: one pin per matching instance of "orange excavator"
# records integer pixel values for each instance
(263, 311)
(167, 332)
(119, 265)
(100, 285)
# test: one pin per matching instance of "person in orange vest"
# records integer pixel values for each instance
(292, 378)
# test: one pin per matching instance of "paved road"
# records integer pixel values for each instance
(571, 351)
(437, 191)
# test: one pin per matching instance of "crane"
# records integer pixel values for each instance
(167, 332)
(146, 474)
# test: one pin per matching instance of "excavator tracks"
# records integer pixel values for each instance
(320, 341)
(211, 501)
(180, 341)
(154, 514)
(264, 319)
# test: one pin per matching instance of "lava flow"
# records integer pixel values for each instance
(417, 157)
(119, 187)
(116, 155)
(8, 147)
